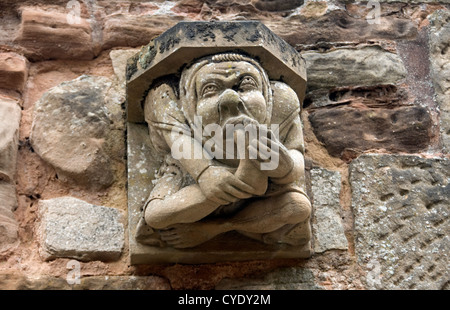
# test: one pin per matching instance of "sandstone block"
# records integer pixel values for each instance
(8, 201)
(413, 1)
(367, 66)
(401, 213)
(119, 60)
(8, 224)
(124, 283)
(74, 130)
(73, 228)
(134, 30)
(334, 24)
(47, 34)
(278, 5)
(439, 38)
(402, 129)
(16, 281)
(10, 115)
(13, 71)
(327, 225)
(282, 279)
(143, 163)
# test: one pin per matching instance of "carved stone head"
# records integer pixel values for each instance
(221, 87)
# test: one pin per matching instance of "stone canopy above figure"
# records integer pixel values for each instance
(222, 105)
(187, 41)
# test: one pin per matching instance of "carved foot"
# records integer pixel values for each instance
(189, 235)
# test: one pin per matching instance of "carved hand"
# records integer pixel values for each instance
(271, 152)
(221, 186)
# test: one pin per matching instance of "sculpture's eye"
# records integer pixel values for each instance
(209, 89)
(248, 83)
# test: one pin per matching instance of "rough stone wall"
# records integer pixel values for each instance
(376, 123)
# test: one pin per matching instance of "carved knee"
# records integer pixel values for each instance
(151, 218)
(298, 207)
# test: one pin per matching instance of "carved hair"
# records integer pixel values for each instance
(228, 57)
(187, 83)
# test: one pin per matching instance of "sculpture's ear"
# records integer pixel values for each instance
(161, 104)
(286, 114)
(162, 113)
(285, 102)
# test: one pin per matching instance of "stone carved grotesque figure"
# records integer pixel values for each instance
(233, 147)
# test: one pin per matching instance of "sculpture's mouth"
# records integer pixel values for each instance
(232, 113)
(241, 119)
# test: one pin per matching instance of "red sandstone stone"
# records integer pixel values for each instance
(13, 71)
(54, 35)
(348, 129)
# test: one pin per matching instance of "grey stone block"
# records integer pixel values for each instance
(291, 278)
(73, 228)
(327, 225)
(401, 213)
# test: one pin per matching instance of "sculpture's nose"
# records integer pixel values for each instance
(230, 104)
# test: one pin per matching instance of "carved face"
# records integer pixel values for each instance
(227, 90)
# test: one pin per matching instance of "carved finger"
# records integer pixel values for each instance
(168, 235)
(169, 238)
(227, 197)
(174, 242)
(235, 192)
(217, 200)
(263, 152)
(168, 231)
(242, 186)
(253, 149)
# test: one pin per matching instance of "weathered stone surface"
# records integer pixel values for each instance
(134, 30)
(8, 201)
(314, 9)
(327, 226)
(73, 228)
(119, 61)
(143, 163)
(339, 25)
(18, 281)
(380, 96)
(24, 282)
(410, 1)
(415, 55)
(367, 66)
(292, 278)
(8, 224)
(13, 71)
(439, 38)
(10, 115)
(401, 129)
(278, 5)
(123, 283)
(400, 206)
(78, 127)
(46, 34)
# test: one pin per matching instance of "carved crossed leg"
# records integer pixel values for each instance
(271, 220)
(181, 216)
